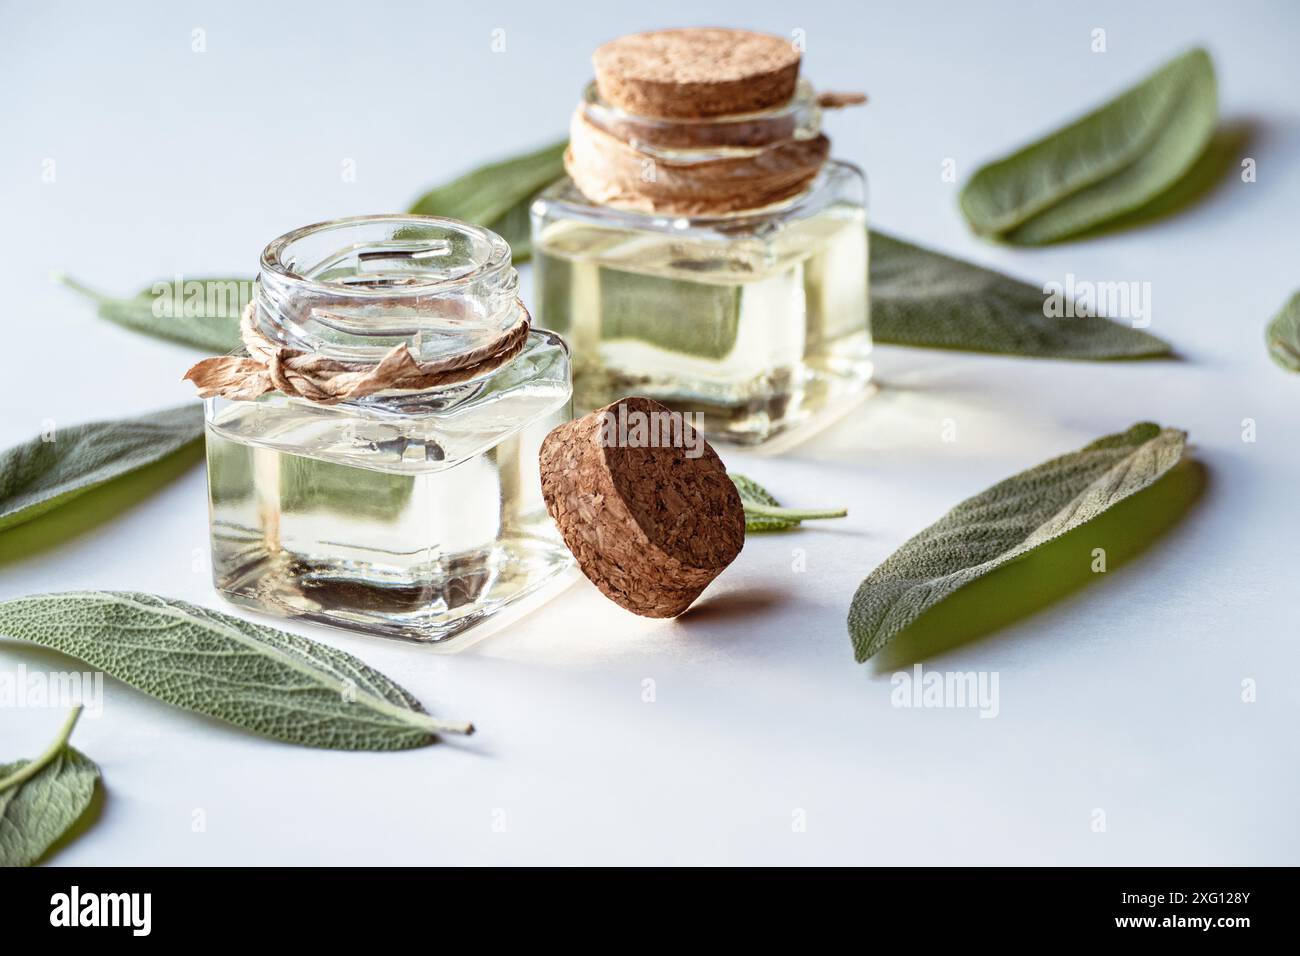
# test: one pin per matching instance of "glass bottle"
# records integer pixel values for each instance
(757, 320)
(413, 514)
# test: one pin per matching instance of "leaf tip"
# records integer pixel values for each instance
(861, 641)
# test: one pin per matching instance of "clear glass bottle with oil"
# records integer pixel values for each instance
(758, 320)
(413, 514)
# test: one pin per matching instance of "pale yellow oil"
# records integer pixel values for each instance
(351, 522)
(755, 333)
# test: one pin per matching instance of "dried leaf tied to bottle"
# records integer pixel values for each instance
(271, 366)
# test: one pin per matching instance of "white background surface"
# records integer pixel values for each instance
(1124, 697)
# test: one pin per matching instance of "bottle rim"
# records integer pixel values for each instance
(490, 256)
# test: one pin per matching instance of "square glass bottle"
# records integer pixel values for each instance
(415, 514)
(757, 319)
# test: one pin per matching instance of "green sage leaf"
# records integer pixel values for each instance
(498, 195)
(48, 471)
(1105, 165)
(1284, 336)
(928, 300)
(205, 312)
(764, 513)
(1005, 523)
(751, 493)
(256, 677)
(41, 799)
(201, 312)
(918, 297)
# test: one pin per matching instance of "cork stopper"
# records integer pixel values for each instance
(644, 504)
(696, 73)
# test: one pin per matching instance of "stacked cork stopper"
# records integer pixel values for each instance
(717, 92)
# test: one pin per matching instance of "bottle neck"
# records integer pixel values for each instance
(352, 289)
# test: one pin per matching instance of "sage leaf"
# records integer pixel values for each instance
(41, 799)
(925, 299)
(211, 324)
(498, 195)
(1005, 523)
(1107, 164)
(764, 513)
(1217, 165)
(255, 677)
(919, 297)
(46, 472)
(1284, 336)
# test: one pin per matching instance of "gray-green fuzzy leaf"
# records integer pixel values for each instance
(1105, 165)
(498, 195)
(1284, 336)
(36, 812)
(751, 492)
(918, 297)
(925, 299)
(211, 324)
(264, 680)
(764, 513)
(41, 799)
(1005, 523)
(39, 475)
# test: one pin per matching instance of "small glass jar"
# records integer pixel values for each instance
(756, 320)
(408, 513)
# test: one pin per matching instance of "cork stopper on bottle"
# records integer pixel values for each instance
(696, 73)
(644, 504)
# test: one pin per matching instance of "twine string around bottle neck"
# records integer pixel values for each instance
(270, 366)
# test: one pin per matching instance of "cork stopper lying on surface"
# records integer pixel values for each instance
(696, 73)
(650, 519)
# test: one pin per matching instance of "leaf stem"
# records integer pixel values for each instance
(32, 768)
(793, 514)
(445, 727)
(66, 280)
